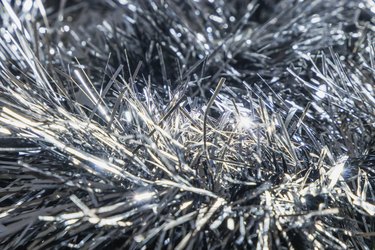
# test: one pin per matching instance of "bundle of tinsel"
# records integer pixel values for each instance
(187, 124)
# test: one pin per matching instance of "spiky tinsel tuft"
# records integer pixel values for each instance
(187, 124)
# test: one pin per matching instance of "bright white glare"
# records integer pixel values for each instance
(26, 7)
(322, 91)
(144, 196)
(5, 131)
(200, 37)
(336, 171)
(128, 116)
(245, 122)
(230, 224)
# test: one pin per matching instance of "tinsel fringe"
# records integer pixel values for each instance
(193, 124)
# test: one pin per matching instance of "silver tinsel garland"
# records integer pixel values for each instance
(197, 124)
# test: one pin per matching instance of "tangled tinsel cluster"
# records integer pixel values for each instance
(198, 124)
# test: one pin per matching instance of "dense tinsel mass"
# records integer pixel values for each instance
(187, 124)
